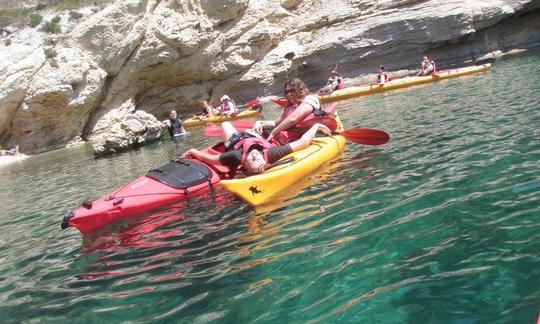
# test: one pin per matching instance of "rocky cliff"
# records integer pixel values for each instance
(112, 71)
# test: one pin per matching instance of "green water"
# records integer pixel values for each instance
(440, 225)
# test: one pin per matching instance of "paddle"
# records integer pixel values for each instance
(282, 102)
(366, 136)
(240, 125)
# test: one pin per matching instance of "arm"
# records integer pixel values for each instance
(166, 123)
(300, 113)
(308, 136)
(260, 125)
(203, 156)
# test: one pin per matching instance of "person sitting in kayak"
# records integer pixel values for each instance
(382, 76)
(249, 152)
(227, 105)
(427, 66)
(174, 125)
(335, 82)
(207, 109)
(299, 107)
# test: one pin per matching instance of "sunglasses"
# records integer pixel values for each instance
(287, 91)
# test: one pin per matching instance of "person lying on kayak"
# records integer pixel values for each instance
(249, 152)
(299, 106)
(174, 125)
(427, 66)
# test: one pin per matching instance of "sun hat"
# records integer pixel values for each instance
(225, 97)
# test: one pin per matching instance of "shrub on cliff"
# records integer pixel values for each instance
(53, 26)
(35, 19)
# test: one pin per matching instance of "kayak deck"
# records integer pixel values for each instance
(179, 180)
(355, 91)
(194, 121)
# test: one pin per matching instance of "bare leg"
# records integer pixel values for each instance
(227, 130)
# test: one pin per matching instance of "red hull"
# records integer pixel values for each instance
(137, 197)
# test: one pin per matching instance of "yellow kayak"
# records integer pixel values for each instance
(356, 91)
(194, 121)
(259, 189)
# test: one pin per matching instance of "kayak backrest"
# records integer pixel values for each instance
(181, 173)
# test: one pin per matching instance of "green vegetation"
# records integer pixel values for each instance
(49, 41)
(10, 16)
(18, 16)
(52, 26)
(50, 52)
(35, 19)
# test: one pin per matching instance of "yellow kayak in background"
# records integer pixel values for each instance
(356, 91)
(259, 189)
(194, 121)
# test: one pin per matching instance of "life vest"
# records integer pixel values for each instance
(225, 107)
(247, 143)
(320, 116)
(385, 77)
(434, 67)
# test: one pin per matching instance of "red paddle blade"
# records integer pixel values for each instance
(240, 125)
(366, 136)
(252, 103)
(283, 102)
(245, 124)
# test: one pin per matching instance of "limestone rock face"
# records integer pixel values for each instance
(132, 129)
(103, 77)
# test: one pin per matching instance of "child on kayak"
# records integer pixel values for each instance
(248, 151)
(299, 106)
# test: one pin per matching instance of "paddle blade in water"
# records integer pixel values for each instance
(366, 136)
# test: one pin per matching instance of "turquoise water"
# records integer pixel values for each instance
(440, 225)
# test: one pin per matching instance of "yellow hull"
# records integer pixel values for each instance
(356, 91)
(192, 122)
(259, 189)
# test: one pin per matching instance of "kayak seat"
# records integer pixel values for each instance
(181, 173)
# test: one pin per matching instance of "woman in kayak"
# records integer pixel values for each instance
(300, 106)
(427, 66)
(249, 152)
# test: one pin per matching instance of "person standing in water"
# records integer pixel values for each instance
(174, 125)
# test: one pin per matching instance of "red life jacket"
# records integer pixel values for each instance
(224, 108)
(316, 116)
(247, 143)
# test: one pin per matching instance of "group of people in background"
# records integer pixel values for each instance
(174, 124)
(336, 82)
(253, 151)
(227, 106)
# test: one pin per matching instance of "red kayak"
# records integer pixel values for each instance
(178, 180)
